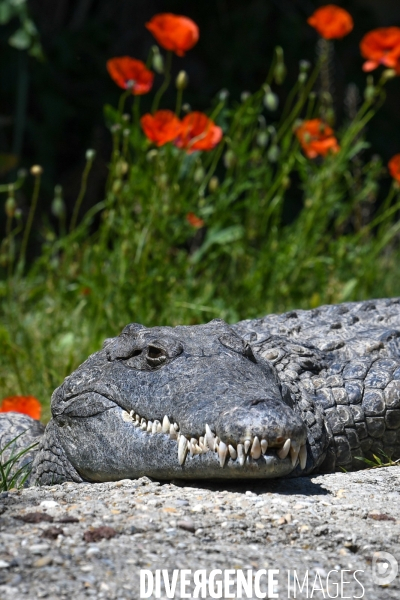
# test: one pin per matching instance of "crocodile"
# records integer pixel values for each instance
(281, 396)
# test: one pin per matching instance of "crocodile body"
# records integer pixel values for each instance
(285, 395)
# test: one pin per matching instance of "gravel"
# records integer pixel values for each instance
(97, 537)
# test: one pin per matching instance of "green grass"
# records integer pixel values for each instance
(11, 474)
(281, 231)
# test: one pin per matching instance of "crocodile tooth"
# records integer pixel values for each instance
(241, 454)
(154, 428)
(172, 433)
(166, 425)
(176, 426)
(210, 438)
(126, 417)
(303, 456)
(201, 440)
(149, 426)
(143, 426)
(192, 446)
(197, 449)
(264, 446)
(294, 453)
(222, 452)
(202, 447)
(182, 449)
(247, 445)
(256, 448)
(284, 451)
(232, 452)
(131, 414)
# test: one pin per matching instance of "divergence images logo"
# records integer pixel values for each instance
(384, 568)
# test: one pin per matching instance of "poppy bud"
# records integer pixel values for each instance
(223, 95)
(229, 159)
(10, 205)
(262, 139)
(115, 128)
(199, 174)
(126, 132)
(90, 155)
(126, 117)
(121, 168)
(36, 170)
(271, 100)
(157, 60)
(22, 173)
(388, 74)
(58, 206)
(369, 92)
(244, 96)
(18, 214)
(273, 153)
(182, 80)
(286, 182)
(117, 186)
(302, 78)
(213, 184)
(186, 108)
(163, 181)
(304, 66)
(280, 68)
(152, 154)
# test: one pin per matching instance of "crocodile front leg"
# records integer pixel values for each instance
(361, 401)
(51, 464)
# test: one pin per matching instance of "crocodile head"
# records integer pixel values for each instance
(185, 402)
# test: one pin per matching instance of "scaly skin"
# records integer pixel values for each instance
(222, 402)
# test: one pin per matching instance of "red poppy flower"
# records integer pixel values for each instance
(194, 220)
(394, 167)
(381, 47)
(174, 32)
(331, 22)
(129, 72)
(316, 138)
(22, 404)
(162, 127)
(198, 132)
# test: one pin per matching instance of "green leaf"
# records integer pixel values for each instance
(219, 237)
(21, 40)
(111, 115)
(6, 12)
(348, 289)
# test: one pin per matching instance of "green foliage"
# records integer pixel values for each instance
(12, 475)
(135, 256)
(26, 36)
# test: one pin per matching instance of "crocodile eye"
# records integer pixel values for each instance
(248, 352)
(155, 356)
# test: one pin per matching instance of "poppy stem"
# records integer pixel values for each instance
(212, 168)
(136, 110)
(82, 191)
(29, 222)
(122, 100)
(178, 102)
(165, 84)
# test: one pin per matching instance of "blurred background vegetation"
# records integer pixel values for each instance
(52, 106)
(280, 230)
